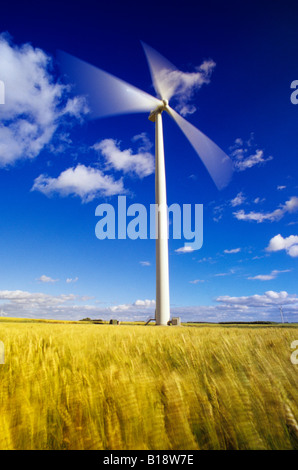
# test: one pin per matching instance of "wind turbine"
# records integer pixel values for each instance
(281, 314)
(108, 95)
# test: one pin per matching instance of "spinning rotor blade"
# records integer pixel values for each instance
(160, 69)
(107, 95)
(218, 164)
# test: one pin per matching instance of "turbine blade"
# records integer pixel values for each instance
(106, 94)
(160, 69)
(218, 164)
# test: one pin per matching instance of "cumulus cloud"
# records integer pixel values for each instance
(170, 82)
(227, 308)
(20, 303)
(89, 183)
(45, 278)
(268, 277)
(185, 249)
(246, 155)
(293, 251)
(290, 206)
(85, 182)
(238, 200)
(145, 143)
(259, 216)
(183, 85)
(35, 103)
(269, 298)
(251, 160)
(143, 304)
(70, 307)
(140, 163)
(289, 244)
(69, 280)
(258, 200)
(36, 305)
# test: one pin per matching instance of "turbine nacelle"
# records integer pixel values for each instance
(163, 106)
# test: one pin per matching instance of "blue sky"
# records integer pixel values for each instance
(53, 172)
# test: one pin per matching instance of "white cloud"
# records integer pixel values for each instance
(85, 182)
(293, 251)
(185, 249)
(34, 297)
(258, 200)
(290, 244)
(171, 83)
(146, 143)
(246, 155)
(35, 103)
(268, 277)
(280, 188)
(20, 303)
(70, 280)
(145, 263)
(259, 216)
(140, 164)
(143, 304)
(228, 273)
(263, 277)
(70, 307)
(238, 200)
(290, 206)
(233, 250)
(251, 160)
(36, 305)
(182, 85)
(196, 281)
(76, 107)
(269, 298)
(45, 278)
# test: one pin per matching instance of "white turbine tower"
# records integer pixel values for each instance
(107, 96)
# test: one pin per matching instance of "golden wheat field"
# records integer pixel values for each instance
(85, 386)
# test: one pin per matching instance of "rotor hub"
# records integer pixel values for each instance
(158, 110)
